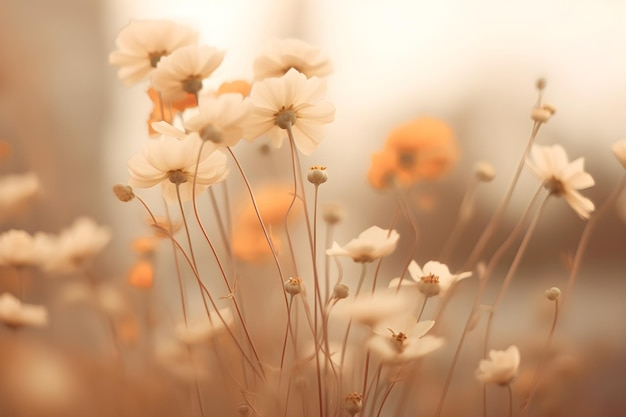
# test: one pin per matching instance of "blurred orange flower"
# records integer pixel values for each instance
(249, 242)
(238, 86)
(163, 110)
(141, 274)
(424, 148)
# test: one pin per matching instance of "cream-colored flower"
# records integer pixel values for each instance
(220, 119)
(501, 367)
(19, 248)
(15, 314)
(283, 54)
(171, 160)
(401, 339)
(76, 245)
(371, 244)
(291, 99)
(619, 150)
(435, 278)
(561, 177)
(206, 328)
(15, 190)
(371, 310)
(142, 43)
(182, 72)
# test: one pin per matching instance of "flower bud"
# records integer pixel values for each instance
(540, 115)
(353, 403)
(332, 213)
(243, 409)
(123, 193)
(484, 171)
(553, 293)
(341, 291)
(317, 175)
(540, 84)
(293, 285)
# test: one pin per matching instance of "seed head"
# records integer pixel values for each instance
(317, 175)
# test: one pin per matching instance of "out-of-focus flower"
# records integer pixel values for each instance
(19, 248)
(401, 339)
(15, 190)
(171, 161)
(76, 245)
(375, 309)
(220, 119)
(423, 149)
(237, 86)
(353, 403)
(206, 328)
(283, 54)
(435, 278)
(501, 367)
(182, 72)
(561, 177)
(619, 150)
(15, 314)
(142, 43)
(163, 110)
(141, 274)
(371, 244)
(248, 241)
(5, 149)
(290, 100)
(484, 171)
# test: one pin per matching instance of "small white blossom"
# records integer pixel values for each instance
(19, 248)
(15, 314)
(561, 177)
(220, 119)
(295, 99)
(501, 367)
(372, 310)
(435, 278)
(171, 161)
(142, 44)
(282, 55)
(371, 244)
(204, 329)
(182, 72)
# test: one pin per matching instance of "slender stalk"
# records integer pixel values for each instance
(461, 221)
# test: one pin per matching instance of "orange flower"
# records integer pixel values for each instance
(141, 275)
(422, 149)
(5, 149)
(166, 111)
(144, 245)
(249, 242)
(238, 86)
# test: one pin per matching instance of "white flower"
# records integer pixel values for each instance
(182, 72)
(561, 177)
(220, 119)
(619, 150)
(171, 159)
(15, 190)
(401, 339)
(203, 330)
(295, 99)
(435, 278)
(371, 310)
(76, 245)
(142, 43)
(283, 54)
(15, 314)
(501, 367)
(18, 248)
(371, 244)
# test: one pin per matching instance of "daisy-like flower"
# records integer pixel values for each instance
(619, 150)
(561, 177)
(19, 248)
(142, 44)
(283, 54)
(435, 278)
(220, 119)
(15, 314)
(401, 340)
(182, 72)
(171, 161)
(205, 329)
(290, 101)
(501, 367)
(76, 245)
(371, 244)
(15, 190)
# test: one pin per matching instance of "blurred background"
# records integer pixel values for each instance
(473, 64)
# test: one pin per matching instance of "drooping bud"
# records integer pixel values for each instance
(123, 193)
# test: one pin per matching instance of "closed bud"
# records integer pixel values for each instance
(553, 293)
(341, 291)
(123, 193)
(317, 175)
(353, 403)
(484, 171)
(293, 285)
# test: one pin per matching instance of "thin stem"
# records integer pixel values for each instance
(394, 220)
(461, 221)
(419, 315)
(510, 391)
